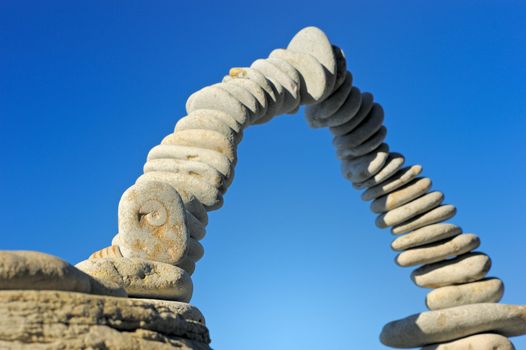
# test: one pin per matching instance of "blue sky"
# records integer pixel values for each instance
(293, 259)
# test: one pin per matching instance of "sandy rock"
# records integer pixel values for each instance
(212, 97)
(25, 270)
(142, 278)
(367, 128)
(394, 162)
(292, 91)
(455, 246)
(255, 90)
(486, 341)
(362, 168)
(439, 214)
(152, 223)
(354, 118)
(317, 83)
(402, 177)
(215, 159)
(227, 119)
(319, 115)
(439, 326)
(409, 210)
(395, 199)
(70, 321)
(206, 139)
(463, 269)
(245, 97)
(425, 235)
(191, 168)
(486, 291)
(197, 121)
(367, 146)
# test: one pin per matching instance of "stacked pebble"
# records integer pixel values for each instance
(163, 217)
(404, 200)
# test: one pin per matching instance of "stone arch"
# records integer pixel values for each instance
(163, 216)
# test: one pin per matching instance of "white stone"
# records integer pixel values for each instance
(210, 196)
(206, 139)
(273, 75)
(439, 326)
(212, 97)
(354, 118)
(395, 199)
(191, 168)
(402, 177)
(142, 278)
(227, 119)
(245, 97)
(362, 168)
(196, 122)
(439, 214)
(455, 246)
(316, 83)
(409, 210)
(292, 94)
(152, 223)
(486, 291)
(394, 162)
(463, 269)
(485, 341)
(313, 41)
(425, 235)
(213, 158)
(254, 89)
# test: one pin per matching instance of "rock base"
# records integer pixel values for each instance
(69, 320)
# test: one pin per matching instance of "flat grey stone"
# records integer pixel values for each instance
(206, 139)
(191, 168)
(394, 162)
(146, 210)
(30, 270)
(212, 97)
(313, 41)
(463, 269)
(341, 66)
(318, 115)
(439, 214)
(213, 158)
(142, 278)
(485, 291)
(210, 196)
(402, 177)
(316, 81)
(196, 228)
(487, 341)
(369, 126)
(409, 210)
(195, 250)
(188, 265)
(403, 195)
(455, 246)
(439, 326)
(367, 146)
(348, 112)
(425, 235)
(362, 168)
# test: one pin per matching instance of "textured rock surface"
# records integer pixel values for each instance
(34, 270)
(443, 325)
(486, 291)
(67, 320)
(142, 278)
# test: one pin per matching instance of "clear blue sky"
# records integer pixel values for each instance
(293, 259)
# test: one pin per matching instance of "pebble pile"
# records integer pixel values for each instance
(163, 216)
